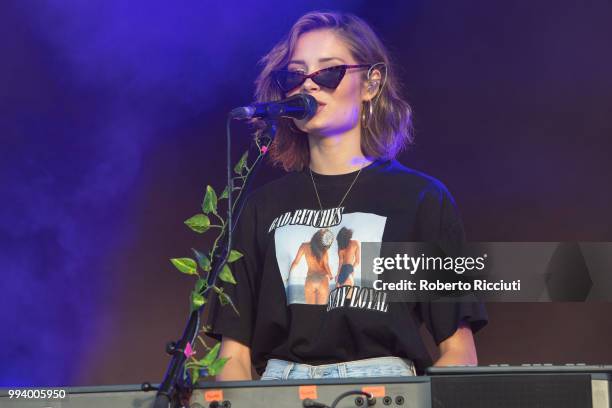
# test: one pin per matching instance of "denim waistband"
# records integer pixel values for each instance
(376, 366)
(353, 363)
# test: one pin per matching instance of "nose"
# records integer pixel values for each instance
(310, 85)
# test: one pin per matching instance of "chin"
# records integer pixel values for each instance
(314, 125)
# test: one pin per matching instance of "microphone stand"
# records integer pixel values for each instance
(173, 384)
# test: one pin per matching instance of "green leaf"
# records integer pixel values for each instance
(216, 367)
(202, 259)
(195, 374)
(224, 299)
(185, 265)
(210, 357)
(197, 300)
(225, 193)
(210, 201)
(241, 163)
(234, 256)
(226, 275)
(201, 285)
(200, 223)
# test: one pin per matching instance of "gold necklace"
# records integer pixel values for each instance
(345, 194)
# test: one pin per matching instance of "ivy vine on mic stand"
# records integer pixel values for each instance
(201, 264)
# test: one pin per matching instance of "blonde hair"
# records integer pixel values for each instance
(390, 126)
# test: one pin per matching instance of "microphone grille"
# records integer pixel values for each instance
(311, 106)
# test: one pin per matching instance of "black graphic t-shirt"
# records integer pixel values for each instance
(299, 291)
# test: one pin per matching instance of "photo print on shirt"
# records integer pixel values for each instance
(319, 251)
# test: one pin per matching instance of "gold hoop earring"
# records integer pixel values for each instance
(366, 118)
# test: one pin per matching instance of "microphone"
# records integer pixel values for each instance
(300, 106)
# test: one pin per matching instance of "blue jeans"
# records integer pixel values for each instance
(370, 367)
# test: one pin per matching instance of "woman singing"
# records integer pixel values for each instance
(341, 175)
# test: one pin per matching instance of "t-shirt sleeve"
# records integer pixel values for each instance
(442, 318)
(222, 319)
(438, 220)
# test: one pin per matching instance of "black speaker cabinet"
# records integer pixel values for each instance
(580, 390)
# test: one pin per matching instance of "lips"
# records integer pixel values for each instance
(320, 106)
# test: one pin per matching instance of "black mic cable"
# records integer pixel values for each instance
(310, 403)
(369, 397)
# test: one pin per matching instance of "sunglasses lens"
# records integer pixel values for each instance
(331, 77)
(288, 80)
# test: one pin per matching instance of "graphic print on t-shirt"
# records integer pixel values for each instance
(319, 251)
